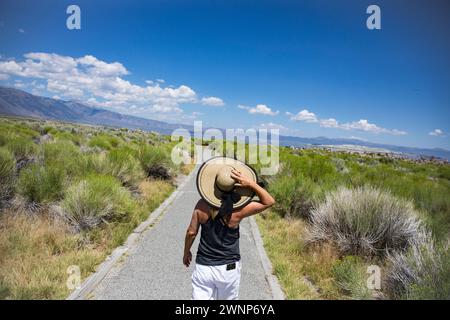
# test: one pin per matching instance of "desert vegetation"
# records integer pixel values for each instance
(70, 194)
(337, 214)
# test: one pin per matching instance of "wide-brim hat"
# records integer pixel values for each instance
(213, 180)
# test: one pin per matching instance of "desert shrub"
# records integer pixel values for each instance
(317, 167)
(423, 272)
(7, 172)
(64, 135)
(104, 141)
(99, 141)
(93, 163)
(41, 184)
(123, 165)
(94, 200)
(48, 129)
(340, 165)
(64, 155)
(350, 276)
(59, 152)
(5, 136)
(156, 162)
(365, 221)
(295, 195)
(21, 147)
(444, 172)
(24, 130)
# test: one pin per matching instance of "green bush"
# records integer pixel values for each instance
(22, 148)
(124, 166)
(59, 152)
(7, 171)
(69, 136)
(64, 155)
(104, 141)
(99, 141)
(93, 163)
(94, 200)
(48, 129)
(365, 221)
(350, 275)
(156, 162)
(295, 195)
(24, 130)
(39, 184)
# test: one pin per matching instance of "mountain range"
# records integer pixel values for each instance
(14, 102)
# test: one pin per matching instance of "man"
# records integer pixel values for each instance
(227, 188)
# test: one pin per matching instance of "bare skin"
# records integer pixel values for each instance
(202, 213)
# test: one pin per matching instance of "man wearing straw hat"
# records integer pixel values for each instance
(228, 190)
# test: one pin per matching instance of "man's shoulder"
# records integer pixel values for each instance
(203, 210)
(202, 205)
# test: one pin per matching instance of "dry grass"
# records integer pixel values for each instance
(153, 192)
(293, 262)
(88, 178)
(35, 253)
(187, 168)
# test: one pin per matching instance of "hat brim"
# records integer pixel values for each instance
(208, 190)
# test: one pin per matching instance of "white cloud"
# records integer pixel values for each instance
(361, 125)
(100, 83)
(271, 125)
(303, 115)
(10, 67)
(437, 133)
(329, 123)
(364, 125)
(212, 101)
(21, 30)
(4, 76)
(100, 68)
(259, 109)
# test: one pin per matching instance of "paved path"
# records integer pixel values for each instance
(153, 268)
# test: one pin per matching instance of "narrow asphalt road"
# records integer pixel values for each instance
(153, 268)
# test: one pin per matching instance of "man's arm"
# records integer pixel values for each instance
(191, 233)
(265, 199)
(198, 216)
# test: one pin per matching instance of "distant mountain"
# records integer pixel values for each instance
(15, 102)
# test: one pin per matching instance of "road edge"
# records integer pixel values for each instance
(91, 282)
(272, 280)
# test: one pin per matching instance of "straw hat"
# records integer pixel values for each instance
(213, 180)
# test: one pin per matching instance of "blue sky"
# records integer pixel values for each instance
(310, 68)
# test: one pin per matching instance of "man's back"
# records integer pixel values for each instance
(218, 269)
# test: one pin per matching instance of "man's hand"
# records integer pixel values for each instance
(187, 258)
(242, 181)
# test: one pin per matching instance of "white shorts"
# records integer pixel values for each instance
(216, 282)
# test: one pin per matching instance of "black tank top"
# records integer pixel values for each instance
(219, 244)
